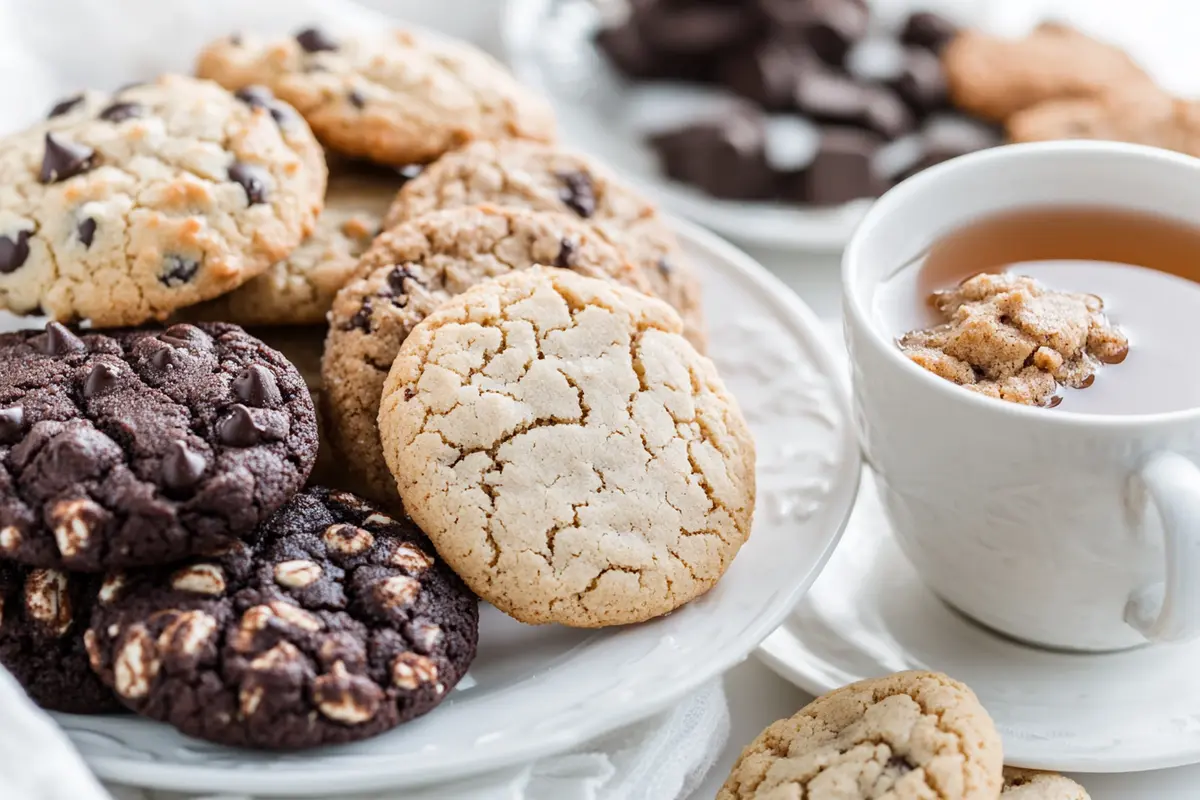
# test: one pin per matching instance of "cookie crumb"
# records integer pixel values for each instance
(1010, 337)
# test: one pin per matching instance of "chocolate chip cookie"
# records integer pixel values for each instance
(396, 97)
(1027, 784)
(44, 614)
(139, 447)
(546, 178)
(411, 270)
(912, 734)
(569, 453)
(339, 623)
(122, 208)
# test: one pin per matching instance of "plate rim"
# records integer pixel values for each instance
(839, 502)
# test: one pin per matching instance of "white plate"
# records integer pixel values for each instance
(536, 691)
(869, 614)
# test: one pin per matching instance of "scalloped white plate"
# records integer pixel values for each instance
(536, 691)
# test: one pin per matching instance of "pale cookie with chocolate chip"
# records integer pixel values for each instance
(909, 735)
(123, 208)
(544, 177)
(1027, 784)
(338, 624)
(405, 276)
(569, 453)
(44, 616)
(396, 97)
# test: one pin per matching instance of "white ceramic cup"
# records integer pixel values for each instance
(1065, 530)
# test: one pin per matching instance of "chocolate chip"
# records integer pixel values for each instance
(65, 159)
(178, 270)
(356, 98)
(119, 112)
(182, 468)
(397, 277)
(922, 82)
(262, 97)
(64, 105)
(362, 317)
(314, 40)
(566, 254)
(102, 378)
(578, 193)
(86, 231)
(59, 340)
(13, 253)
(256, 386)
(239, 428)
(899, 764)
(12, 424)
(1055, 401)
(255, 180)
(163, 357)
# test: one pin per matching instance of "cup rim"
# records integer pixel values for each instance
(902, 194)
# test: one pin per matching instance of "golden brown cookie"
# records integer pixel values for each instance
(408, 272)
(396, 97)
(569, 453)
(994, 77)
(548, 178)
(1150, 117)
(1027, 784)
(908, 736)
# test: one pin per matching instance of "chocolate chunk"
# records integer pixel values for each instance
(356, 98)
(13, 253)
(578, 193)
(634, 57)
(59, 340)
(86, 231)
(102, 378)
(398, 276)
(725, 158)
(765, 73)
(178, 270)
(119, 112)
(12, 424)
(921, 83)
(255, 386)
(262, 97)
(830, 27)
(362, 318)
(832, 97)
(842, 169)
(929, 30)
(239, 429)
(898, 764)
(254, 179)
(314, 40)
(65, 105)
(182, 468)
(566, 254)
(65, 159)
(695, 29)
(884, 112)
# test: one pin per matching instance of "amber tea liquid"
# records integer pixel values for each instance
(1146, 269)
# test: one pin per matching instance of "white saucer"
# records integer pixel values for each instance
(537, 691)
(869, 614)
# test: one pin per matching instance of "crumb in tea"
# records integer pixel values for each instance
(1010, 337)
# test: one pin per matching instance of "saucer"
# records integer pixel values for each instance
(869, 614)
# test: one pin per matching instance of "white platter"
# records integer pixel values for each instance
(869, 614)
(536, 691)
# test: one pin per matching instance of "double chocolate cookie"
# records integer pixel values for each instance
(337, 625)
(140, 447)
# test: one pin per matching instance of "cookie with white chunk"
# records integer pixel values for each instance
(337, 625)
(44, 615)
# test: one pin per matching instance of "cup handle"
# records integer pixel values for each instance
(1171, 611)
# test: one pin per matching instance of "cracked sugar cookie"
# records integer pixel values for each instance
(138, 447)
(406, 275)
(568, 452)
(396, 97)
(123, 208)
(908, 735)
(44, 614)
(1027, 784)
(547, 178)
(337, 624)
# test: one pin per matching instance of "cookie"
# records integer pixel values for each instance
(43, 616)
(396, 97)
(122, 208)
(406, 275)
(1027, 784)
(1152, 118)
(993, 77)
(545, 178)
(299, 290)
(138, 447)
(569, 453)
(912, 734)
(338, 624)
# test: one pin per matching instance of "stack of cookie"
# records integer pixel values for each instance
(513, 393)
